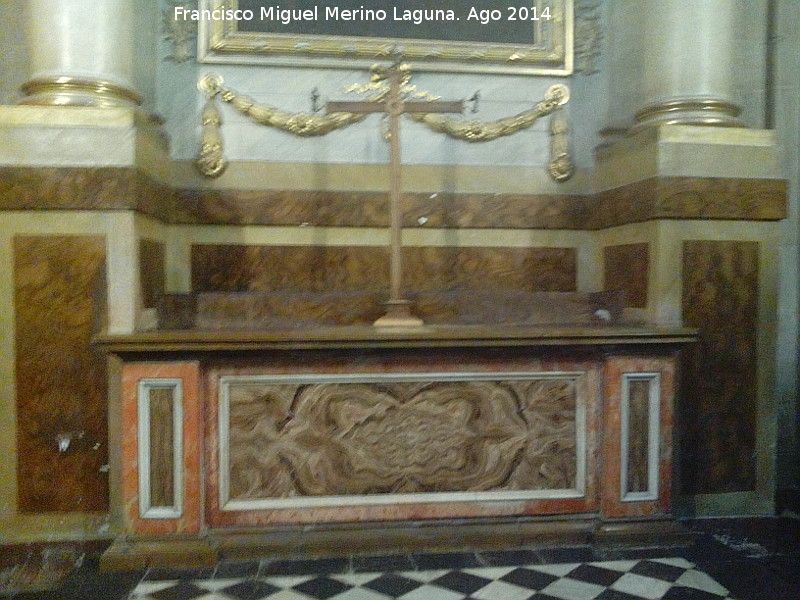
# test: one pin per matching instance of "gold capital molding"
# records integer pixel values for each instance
(76, 91)
(689, 111)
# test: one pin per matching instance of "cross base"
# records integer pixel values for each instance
(398, 314)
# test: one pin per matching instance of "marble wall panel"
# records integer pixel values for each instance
(255, 207)
(151, 271)
(60, 287)
(313, 285)
(371, 209)
(101, 188)
(638, 436)
(153, 197)
(616, 368)
(720, 394)
(688, 198)
(721, 198)
(298, 310)
(162, 440)
(654, 198)
(626, 269)
(190, 519)
(113, 188)
(340, 439)
(235, 268)
(522, 269)
(338, 268)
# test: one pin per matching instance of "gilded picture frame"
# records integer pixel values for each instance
(549, 51)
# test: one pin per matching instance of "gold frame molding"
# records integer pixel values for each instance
(550, 52)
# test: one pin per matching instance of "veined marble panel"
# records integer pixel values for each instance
(238, 268)
(83, 188)
(651, 198)
(721, 298)
(626, 268)
(689, 198)
(326, 440)
(151, 271)
(60, 290)
(115, 188)
(371, 209)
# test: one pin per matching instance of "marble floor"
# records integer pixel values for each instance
(743, 559)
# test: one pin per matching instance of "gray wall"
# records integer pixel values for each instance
(13, 50)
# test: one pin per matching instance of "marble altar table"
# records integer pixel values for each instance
(234, 435)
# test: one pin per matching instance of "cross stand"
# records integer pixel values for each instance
(398, 309)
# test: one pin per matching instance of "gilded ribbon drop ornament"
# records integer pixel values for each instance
(482, 131)
(300, 124)
(561, 167)
(211, 161)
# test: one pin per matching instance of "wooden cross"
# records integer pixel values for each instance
(398, 309)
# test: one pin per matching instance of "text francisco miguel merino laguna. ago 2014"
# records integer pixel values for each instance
(362, 14)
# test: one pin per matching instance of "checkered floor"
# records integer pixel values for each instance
(653, 579)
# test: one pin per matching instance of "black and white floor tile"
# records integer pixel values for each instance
(650, 579)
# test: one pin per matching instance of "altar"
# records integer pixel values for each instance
(438, 436)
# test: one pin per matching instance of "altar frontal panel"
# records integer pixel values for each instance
(363, 444)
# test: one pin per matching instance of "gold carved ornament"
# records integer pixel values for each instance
(211, 162)
(484, 131)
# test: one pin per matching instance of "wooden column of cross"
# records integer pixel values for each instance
(398, 309)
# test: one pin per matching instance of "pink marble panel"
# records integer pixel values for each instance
(191, 519)
(611, 503)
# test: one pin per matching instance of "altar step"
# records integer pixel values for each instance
(380, 538)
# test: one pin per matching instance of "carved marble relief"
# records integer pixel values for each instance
(361, 438)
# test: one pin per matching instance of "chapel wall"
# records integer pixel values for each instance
(676, 224)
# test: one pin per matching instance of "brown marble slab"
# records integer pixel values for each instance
(417, 409)
(719, 402)
(59, 292)
(162, 440)
(240, 268)
(332, 439)
(305, 311)
(654, 198)
(689, 198)
(114, 188)
(151, 271)
(237, 268)
(83, 188)
(626, 269)
(638, 436)
(371, 209)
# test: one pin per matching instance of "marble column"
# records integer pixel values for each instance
(81, 53)
(687, 63)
